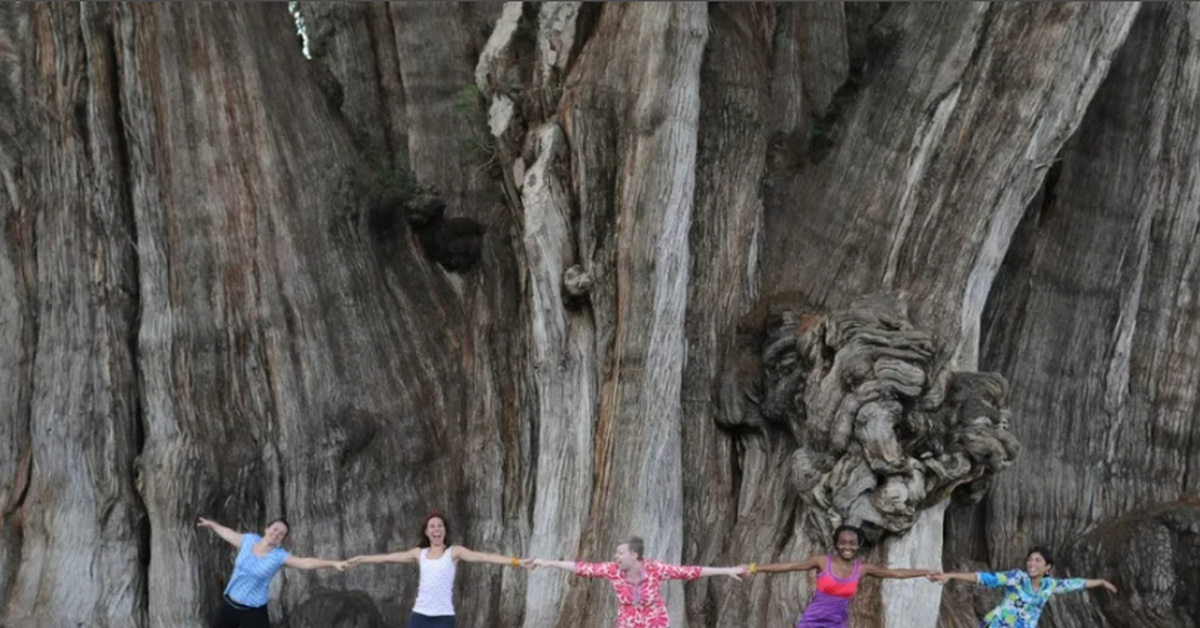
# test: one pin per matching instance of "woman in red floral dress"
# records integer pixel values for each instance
(638, 582)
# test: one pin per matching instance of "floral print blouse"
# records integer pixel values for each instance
(640, 605)
(1022, 606)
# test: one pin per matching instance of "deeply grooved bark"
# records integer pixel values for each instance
(723, 280)
(1102, 295)
(505, 261)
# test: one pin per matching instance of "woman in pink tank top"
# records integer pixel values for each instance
(837, 580)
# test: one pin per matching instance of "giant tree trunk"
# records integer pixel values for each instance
(712, 274)
(70, 315)
(1095, 321)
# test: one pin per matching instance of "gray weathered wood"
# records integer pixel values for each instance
(576, 271)
(1094, 319)
(71, 267)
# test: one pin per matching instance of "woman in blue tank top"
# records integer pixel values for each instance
(437, 559)
(259, 558)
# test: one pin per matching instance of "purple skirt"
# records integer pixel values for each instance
(826, 611)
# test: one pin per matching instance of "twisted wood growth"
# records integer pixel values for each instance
(880, 434)
(718, 274)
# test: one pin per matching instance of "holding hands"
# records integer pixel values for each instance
(733, 572)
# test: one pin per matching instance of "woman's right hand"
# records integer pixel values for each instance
(201, 522)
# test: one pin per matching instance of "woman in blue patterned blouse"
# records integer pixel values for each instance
(1025, 592)
(259, 558)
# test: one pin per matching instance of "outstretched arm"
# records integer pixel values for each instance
(233, 538)
(683, 572)
(406, 556)
(469, 556)
(883, 572)
(1091, 584)
(557, 564)
(973, 578)
(1078, 584)
(298, 562)
(732, 572)
(808, 564)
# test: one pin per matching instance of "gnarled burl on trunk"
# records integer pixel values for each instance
(574, 271)
(881, 427)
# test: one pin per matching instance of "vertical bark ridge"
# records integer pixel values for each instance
(735, 91)
(18, 296)
(81, 512)
(635, 182)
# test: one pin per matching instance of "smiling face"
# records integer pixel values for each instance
(1036, 565)
(276, 533)
(435, 531)
(847, 544)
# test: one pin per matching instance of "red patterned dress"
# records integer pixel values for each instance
(640, 605)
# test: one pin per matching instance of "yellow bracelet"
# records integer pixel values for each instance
(515, 561)
(753, 567)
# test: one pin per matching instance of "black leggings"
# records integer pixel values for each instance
(424, 621)
(238, 616)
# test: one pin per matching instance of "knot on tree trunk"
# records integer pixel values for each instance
(882, 428)
(577, 282)
(393, 199)
(420, 207)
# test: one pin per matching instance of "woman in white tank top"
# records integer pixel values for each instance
(436, 558)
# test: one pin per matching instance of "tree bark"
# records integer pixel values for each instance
(1094, 320)
(715, 274)
(834, 231)
(71, 267)
(16, 298)
(636, 176)
(301, 341)
(724, 242)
